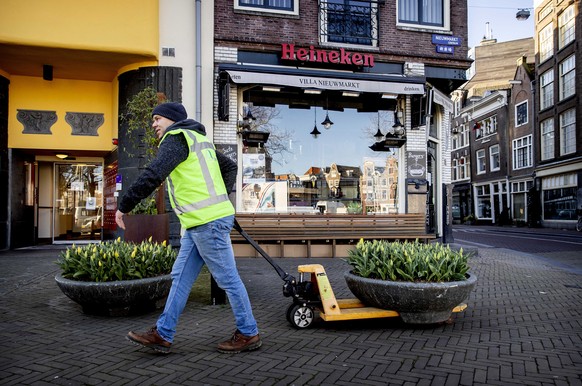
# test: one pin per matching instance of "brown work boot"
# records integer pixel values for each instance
(239, 343)
(150, 339)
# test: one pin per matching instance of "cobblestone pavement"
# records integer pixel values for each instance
(522, 326)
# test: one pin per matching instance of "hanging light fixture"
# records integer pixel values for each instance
(378, 134)
(522, 14)
(315, 133)
(249, 117)
(327, 122)
(397, 126)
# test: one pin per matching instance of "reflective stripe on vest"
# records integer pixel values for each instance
(197, 148)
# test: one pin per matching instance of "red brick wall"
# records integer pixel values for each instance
(265, 32)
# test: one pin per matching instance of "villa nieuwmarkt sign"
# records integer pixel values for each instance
(311, 54)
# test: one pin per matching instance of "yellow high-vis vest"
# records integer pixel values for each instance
(196, 188)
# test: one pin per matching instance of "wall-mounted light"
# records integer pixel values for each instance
(397, 127)
(61, 155)
(246, 122)
(312, 91)
(350, 94)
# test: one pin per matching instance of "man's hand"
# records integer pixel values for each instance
(119, 219)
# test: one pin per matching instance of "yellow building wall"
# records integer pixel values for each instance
(128, 26)
(61, 95)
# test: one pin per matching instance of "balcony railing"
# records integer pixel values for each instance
(348, 21)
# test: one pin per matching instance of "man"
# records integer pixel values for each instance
(198, 181)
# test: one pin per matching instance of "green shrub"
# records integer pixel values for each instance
(408, 261)
(146, 206)
(116, 260)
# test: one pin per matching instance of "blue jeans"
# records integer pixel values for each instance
(207, 244)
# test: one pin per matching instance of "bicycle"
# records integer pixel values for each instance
(579, 223)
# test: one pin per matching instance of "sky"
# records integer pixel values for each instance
(500, 14)
(351, 130)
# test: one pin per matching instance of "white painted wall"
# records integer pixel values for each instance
(178, 30)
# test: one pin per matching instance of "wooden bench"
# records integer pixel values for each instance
(329, 229)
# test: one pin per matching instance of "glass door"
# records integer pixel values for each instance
(78, 213)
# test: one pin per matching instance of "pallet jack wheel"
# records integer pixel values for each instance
(300, 316)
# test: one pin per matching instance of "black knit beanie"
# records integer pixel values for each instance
(174, 111)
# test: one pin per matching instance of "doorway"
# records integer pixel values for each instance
(78, 203)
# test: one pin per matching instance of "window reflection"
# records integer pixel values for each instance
(337, 173)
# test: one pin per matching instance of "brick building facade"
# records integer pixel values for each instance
(330, 58)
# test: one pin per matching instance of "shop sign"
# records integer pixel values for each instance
(416, 164)
(359, 85)
(311, 54)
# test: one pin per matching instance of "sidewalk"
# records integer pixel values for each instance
(522, 326)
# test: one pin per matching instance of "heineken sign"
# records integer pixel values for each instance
(311, 54)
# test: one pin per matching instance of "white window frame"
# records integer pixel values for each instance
(460, 166)
(517, 116)
(568, 132)
(567, 70)
(566, 27)
(494, 158)
(546, 42)
(257, 7)
(481, 165)
(522, 146)
(547, 10)
(461, 139)
(547, 139)
(547, 89)
(483, 196)
(487, 127)
(446, 18)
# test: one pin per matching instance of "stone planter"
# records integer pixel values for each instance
(117, 298)
(417, 303)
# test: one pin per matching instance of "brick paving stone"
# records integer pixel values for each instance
(521, 326)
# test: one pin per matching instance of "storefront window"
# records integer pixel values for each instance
(560, 197)
(335, 173)
(519, 195)
(483, 209)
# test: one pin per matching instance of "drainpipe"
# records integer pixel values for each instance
(198, 52)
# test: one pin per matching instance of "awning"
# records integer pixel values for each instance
(325, 80)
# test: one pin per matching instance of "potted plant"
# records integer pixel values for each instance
(117, 277)
(422, 282)
(149, 218)
(354, 207)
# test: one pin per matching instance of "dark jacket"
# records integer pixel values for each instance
(172, 151)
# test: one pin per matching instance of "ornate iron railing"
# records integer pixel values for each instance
(349, 21)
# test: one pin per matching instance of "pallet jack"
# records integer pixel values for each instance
(314, 294)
